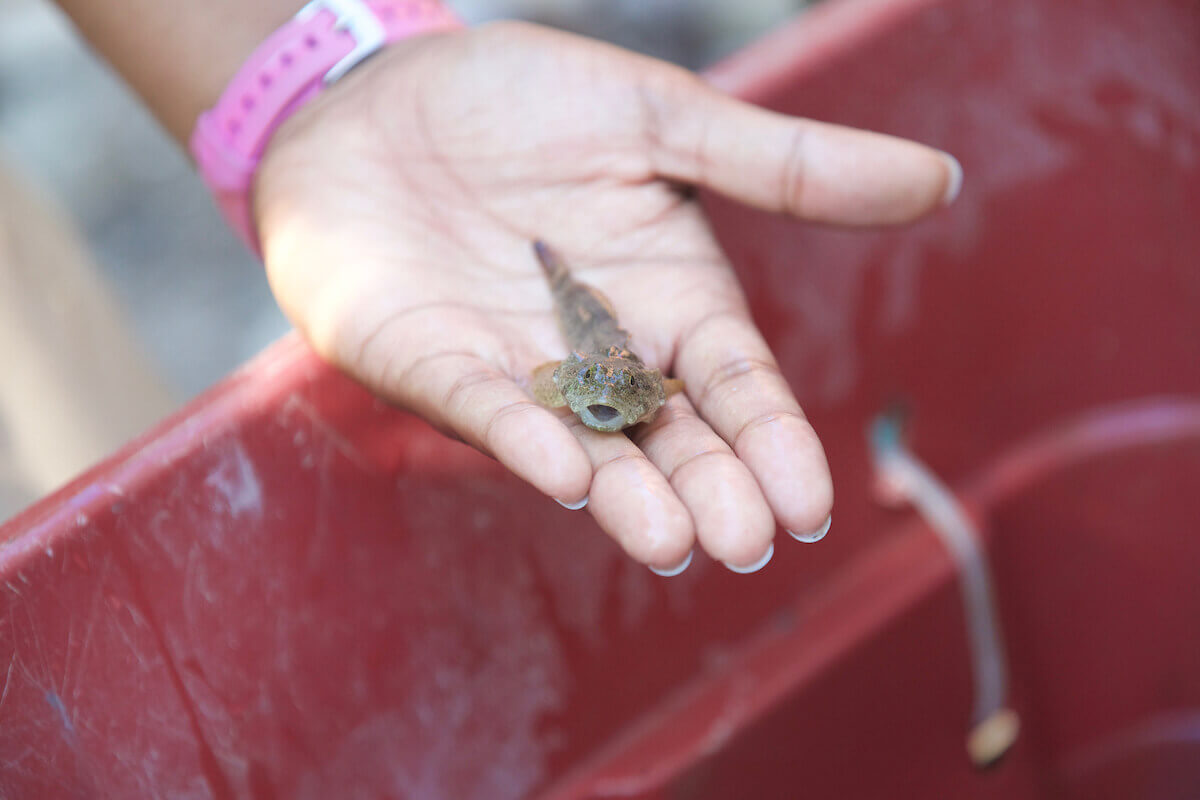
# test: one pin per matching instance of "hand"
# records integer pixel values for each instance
(396, 213)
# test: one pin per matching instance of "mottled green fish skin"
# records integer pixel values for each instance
(607, 386)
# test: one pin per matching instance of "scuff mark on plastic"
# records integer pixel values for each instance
(12, 662)
(215, 778)
(237, 482)
(56, 703)
(296, 403)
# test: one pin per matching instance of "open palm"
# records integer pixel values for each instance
(396, 213)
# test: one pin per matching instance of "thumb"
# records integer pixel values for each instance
(812, 170)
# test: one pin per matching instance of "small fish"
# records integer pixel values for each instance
(602, 381)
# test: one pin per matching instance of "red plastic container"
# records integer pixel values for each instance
(289, 591)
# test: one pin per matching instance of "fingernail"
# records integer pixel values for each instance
(756, 566)
(667, 573)
(816, 535)
(954, 182)
(572, 506)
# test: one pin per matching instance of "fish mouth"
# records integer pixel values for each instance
(602, 417)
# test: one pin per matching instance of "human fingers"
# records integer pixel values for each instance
(458, 391)
(736, 386)
(733, 522)
(633, 502)
(812, 170)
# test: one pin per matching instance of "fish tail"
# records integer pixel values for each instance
(556, 271)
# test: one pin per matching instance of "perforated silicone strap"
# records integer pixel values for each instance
(321, 43)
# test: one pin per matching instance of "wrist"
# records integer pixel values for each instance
(309, 53)
(177, 56)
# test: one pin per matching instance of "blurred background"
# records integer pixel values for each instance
(1042, 336)
(164, 301)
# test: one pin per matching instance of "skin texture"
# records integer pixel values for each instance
(603, 382)
(396, 211)
(177, 56)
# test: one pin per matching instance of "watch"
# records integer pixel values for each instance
(320, 44)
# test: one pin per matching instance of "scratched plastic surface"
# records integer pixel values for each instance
(289, 591)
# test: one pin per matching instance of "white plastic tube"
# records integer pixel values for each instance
(905, 478)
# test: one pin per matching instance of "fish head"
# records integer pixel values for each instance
(610, 392)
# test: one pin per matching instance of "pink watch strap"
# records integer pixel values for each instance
(321, 43)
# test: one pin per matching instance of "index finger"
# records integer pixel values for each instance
(813, 170)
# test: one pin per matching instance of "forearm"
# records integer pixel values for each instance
(177, 54)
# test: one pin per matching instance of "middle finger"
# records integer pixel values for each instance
(632, 501)
(733, 521)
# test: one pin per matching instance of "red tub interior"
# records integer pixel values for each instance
(290, 591)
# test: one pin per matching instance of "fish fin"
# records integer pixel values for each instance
(545, 390)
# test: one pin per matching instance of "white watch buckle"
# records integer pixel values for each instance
(355, 17)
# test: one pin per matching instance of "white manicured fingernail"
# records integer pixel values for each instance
(816, 535)
(954, 182)
(572, 506)
(667, 573)
(757, 565)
